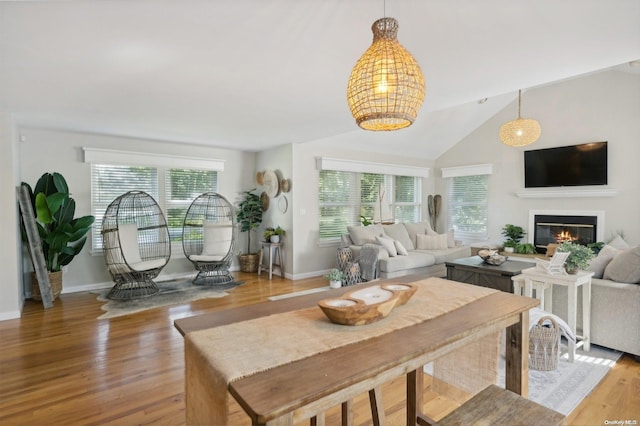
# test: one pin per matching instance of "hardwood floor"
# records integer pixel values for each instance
(63, 366)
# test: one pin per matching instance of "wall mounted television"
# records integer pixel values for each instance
(574, 165)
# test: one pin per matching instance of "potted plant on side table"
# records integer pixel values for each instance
(62, 236)
(579, 256)
(249, 217)
(273, 235)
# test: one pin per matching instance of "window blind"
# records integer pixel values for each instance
(339, 202)
(182, 186)
(108, 182)
(468, 203)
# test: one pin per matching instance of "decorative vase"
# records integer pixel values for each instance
(508, 249)
(344, 257)
(335, 284)
(274, 238)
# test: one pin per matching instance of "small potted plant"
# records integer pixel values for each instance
(525, 248)
(578, 259)
(273, 235)
(514, 234)
(335, 277)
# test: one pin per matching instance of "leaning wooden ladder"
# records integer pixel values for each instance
(35, 245)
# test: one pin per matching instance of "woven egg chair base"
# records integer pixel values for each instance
(141, 286)
(212, 278)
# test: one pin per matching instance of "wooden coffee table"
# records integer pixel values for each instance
(473, 270)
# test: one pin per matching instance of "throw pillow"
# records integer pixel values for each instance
(625, 267)
(402, 251)
(414, 229)
(397, 231)
(432, 242)
(618, 243)
(361, 235)
(598, 265)
(387, 244)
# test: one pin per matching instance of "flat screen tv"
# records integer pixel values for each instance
(574, 165)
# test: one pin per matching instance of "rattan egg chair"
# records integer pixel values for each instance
(136, 244)
(208, 238)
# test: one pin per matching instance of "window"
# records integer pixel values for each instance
(345, 196)
(468, 206)
(173, 189)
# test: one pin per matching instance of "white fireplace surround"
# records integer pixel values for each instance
(599, 214)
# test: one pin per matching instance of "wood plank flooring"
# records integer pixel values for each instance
(62, 366)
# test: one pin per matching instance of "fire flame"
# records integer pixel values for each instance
(565, 236)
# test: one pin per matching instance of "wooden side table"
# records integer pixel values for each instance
(274, 249)
(535, 277)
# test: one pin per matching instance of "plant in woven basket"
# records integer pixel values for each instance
(249, 215)
(62, 235)
(579, 256)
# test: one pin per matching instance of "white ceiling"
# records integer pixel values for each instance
(253, 74)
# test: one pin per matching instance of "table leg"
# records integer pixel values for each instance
(528, 287)
(377, 409)
(517, 356)
(260, 260)
(347, 413)
(415, 386)
(586, 315)
(271, 248)
(318, 420)
(572, 296)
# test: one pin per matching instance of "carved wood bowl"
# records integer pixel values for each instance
(367, 305)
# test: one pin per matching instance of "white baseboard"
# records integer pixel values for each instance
(9, 315)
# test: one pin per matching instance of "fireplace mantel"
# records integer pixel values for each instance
(567, 192)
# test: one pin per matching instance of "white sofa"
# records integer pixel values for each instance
(615, 299)
(426, 251)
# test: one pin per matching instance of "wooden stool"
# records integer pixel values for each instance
(497, 406)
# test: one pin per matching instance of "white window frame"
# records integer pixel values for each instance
(162, 163)
(389, 171)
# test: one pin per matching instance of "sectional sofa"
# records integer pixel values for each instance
(408, 248)
(615, 298)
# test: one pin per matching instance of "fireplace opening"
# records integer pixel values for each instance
(555, 229)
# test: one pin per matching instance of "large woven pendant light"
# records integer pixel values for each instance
(386, 88)
(521, 131)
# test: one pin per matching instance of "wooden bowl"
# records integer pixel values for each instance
(366, 305)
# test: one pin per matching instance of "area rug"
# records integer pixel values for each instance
(171, 293)
(564, 388)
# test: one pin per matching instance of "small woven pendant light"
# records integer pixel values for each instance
(520, 132)
(386, 87)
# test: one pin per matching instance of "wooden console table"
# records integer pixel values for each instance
(308, 387)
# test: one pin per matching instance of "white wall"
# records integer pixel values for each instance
(280, 161)
(310, 257)
(599, 107)
(10, 284)
(49, 150)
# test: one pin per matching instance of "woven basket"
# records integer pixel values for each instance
(544, 345)
(248, 262)
(55, 279)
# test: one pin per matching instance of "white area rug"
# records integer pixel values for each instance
(564, 388)
(171, 293)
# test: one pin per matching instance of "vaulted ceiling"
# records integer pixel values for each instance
(253, 74)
